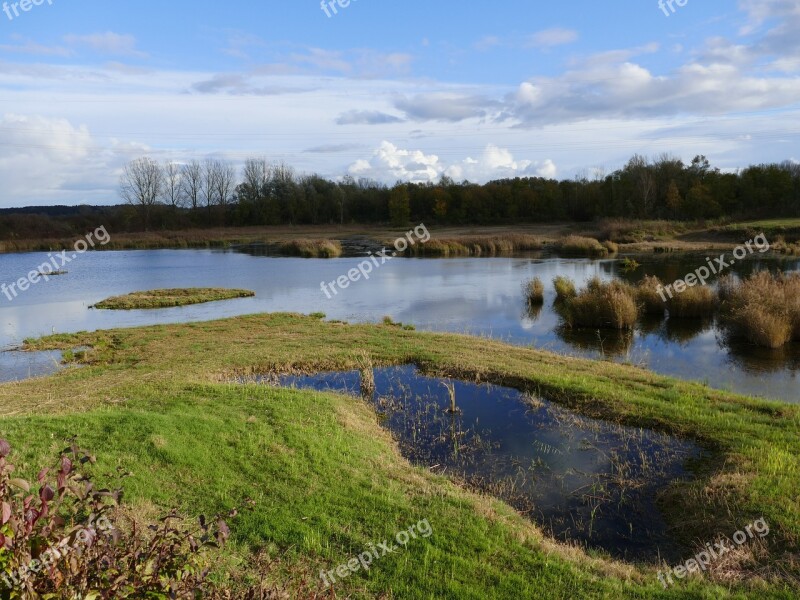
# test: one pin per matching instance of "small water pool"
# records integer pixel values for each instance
(16, 365)
(581, 479)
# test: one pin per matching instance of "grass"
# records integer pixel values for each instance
(476, 245)
(575, 245)
(648, 296)
(697, 302)
(602, 305)
(565, 288)
(326, 480)
(534, 292)
(311, 248)
(170, 298)
(764, 308)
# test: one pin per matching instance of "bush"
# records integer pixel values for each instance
(603, 305)
(647, 294)
(694, 303)
(534, 292)
(57, 540)
(565, 288)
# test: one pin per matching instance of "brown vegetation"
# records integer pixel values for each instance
(602, 305)
(764, 308)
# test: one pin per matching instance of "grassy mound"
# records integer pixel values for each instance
(170, 298)
(322, 480)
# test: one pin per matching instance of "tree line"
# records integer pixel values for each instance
(214, 193)
(263, 193)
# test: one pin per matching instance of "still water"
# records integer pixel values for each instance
(482, 296)
(582, 480)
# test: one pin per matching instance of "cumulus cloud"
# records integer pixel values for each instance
(46, 160)
(499, 163)
(390, 163)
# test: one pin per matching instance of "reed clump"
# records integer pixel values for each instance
(311, 248)
(696, 302)
(602, 305)
(534, 292)
(477, 246)
(764, 309)
(647, 294)
(612, 247)
(575, 245)
(565, 289)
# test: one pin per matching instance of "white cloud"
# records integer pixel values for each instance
(51, 161)
(548, 38)
(107, 43)
(390, 163)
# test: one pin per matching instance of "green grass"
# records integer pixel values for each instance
(170, 298)
(327, 480)
(766, 226)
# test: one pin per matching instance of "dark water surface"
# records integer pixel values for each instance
(581, 479)
(480, 296)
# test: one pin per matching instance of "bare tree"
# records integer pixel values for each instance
(225, 182)
(256, 174)
(173, 188)
(141, 185)
(209, 183)
(192, 183)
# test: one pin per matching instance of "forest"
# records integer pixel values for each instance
(214, 193)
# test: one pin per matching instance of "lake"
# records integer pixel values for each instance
(481, 296)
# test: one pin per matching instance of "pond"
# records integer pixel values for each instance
(482, 296)
(581, 479)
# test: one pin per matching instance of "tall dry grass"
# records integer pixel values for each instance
(697, 302)
(565, 288)
(575, 245)
(477, 246)
(764, 308)
(534, 292)
(311, 248)
(602, 305)
(647, 294)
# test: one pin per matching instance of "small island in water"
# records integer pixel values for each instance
(170, 298)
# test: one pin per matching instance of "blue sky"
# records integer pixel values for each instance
(390, 90)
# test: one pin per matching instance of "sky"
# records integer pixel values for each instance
(389, 90)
